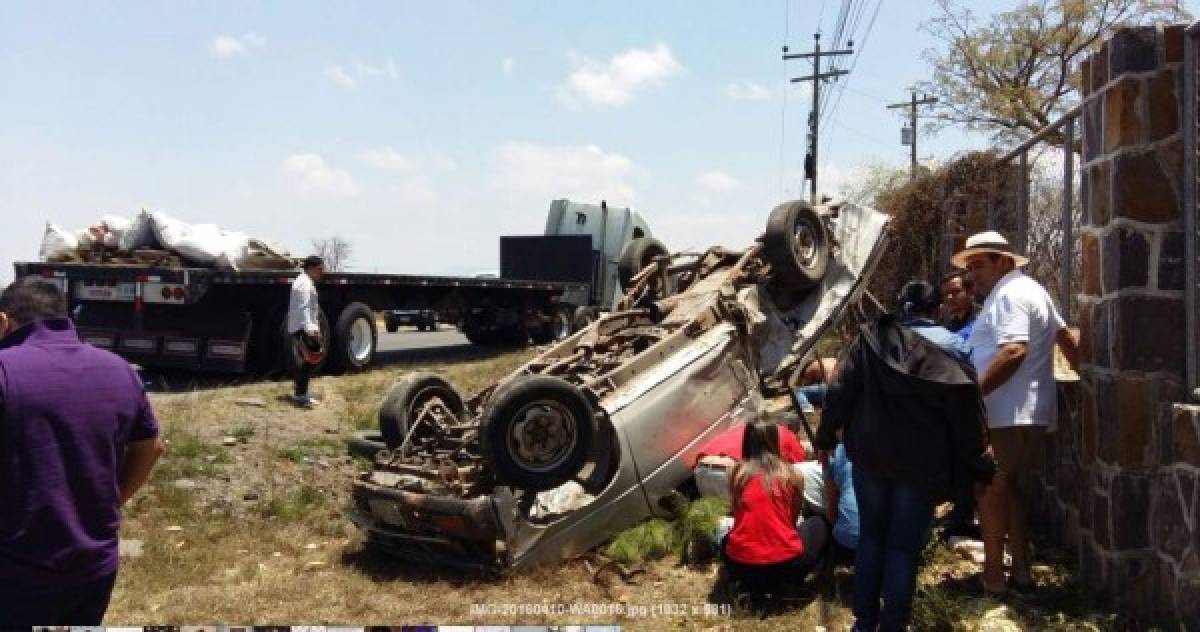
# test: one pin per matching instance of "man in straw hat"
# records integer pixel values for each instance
(1013, 351)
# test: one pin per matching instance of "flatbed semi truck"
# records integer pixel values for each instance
(231, 321)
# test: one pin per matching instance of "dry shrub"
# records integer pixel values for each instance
(932, 213)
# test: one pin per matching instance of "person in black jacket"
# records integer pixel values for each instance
(913, 419)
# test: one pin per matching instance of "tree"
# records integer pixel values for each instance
(1018, 72)
(870, 180)
(336, 252)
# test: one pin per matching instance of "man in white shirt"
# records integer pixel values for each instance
(304, 326)
(1013, 351)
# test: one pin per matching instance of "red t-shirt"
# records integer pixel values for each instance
(729, 443)
(764, 525)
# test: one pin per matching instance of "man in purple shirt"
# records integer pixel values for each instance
(77, 439)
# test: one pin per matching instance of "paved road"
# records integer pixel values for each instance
(410, 339)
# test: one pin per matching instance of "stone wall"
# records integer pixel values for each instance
(1121, 479)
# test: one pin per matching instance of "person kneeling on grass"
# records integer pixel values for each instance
(765, 549)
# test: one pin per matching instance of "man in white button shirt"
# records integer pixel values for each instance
(1012, 347)
(304, 326)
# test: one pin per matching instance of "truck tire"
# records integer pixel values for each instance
(291, 358)
(355, 339)
(557, 329)
(796, 245)
(406, 399)
(537, 432)
(584, 317)
(365, 444)
(638, 254)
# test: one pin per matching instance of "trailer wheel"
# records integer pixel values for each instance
(537, 432)
(636, 255)
(354, 339)
(292, 358)
(365, 444)
(408, 397)
(557, 329)
(796, 245)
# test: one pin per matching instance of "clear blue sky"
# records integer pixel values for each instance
(421, 131)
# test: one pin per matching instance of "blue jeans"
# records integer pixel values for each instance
(809, 396)
(894, 525)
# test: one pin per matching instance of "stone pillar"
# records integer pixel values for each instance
(1129, 470)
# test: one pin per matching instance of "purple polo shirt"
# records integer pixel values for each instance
(67, 411)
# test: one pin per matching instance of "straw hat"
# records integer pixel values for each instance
(985, 242)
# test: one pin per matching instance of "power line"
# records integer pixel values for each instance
(854, 61)
(863, 135)
(832, 112)
(846, 86)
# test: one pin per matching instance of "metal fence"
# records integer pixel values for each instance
(1046, 224)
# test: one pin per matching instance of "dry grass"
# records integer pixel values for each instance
(256, 535)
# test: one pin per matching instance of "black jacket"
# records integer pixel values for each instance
(910, 411)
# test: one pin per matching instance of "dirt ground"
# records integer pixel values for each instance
(242, 523)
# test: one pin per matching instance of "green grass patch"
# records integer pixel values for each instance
(324, 444)
(241, 432)
(936, 610)
(188, 456)
(695, 524)
(293, 454)
(296, 504)
(651, 540)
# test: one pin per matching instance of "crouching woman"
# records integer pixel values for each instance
(767, 549)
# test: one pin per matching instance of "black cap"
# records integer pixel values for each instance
(312, 261)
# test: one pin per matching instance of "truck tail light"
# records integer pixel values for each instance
(178, 293)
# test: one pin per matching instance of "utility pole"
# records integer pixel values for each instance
(814, 116)
(911, 138)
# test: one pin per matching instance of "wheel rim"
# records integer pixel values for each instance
(805, 245)
(432, 400)
(360, 342)
(542, 436)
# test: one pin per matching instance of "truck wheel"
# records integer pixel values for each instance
(584, 317)
(557, 329)
(638, 254)
(796, 245)
(365, 444)
(537, 432)
(291, 357)
(408, 397)
(354, 339)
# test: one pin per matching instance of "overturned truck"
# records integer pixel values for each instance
(592, 436)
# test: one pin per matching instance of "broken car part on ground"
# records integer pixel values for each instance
(589, 437)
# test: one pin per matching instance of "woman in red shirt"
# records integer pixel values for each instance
(766, 547)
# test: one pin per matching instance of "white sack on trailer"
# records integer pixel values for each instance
(57, 243)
